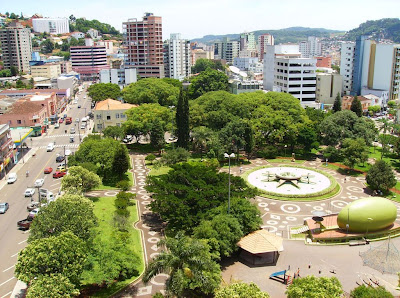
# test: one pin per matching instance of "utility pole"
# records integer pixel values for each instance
(65, 157)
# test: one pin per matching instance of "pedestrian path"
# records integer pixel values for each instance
(74, 145)
(62, 135)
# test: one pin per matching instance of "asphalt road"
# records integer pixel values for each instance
(13, 240)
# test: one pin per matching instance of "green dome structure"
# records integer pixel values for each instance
(367, 215)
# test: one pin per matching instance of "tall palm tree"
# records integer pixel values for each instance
(188, 263)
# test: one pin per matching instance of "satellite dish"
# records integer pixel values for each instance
(317, 218)
(234, 69)
(243, 74)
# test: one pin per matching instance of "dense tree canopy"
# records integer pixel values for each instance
(102, 91)
(206, 81)
(356, 106)
(346, 124)
(202, 64)
(315, 287)
(185, 195)
(241, 290)
(79, 180)
(151, 90)
(354, 151)
(381, 176)
(69, 213)
(192, 272)
(52, 286)
(83, 25)
(364, 291)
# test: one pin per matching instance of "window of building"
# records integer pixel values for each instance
(99, 126)
(19, 121)
(108, 117)
(123, 115)
(98, 116)
(116, 115)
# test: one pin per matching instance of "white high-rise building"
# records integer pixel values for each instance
(311, 48)
(285, 71)
(347, 65)
(52, 26)
(177, 57)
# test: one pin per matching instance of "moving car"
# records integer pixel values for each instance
(60, 158)
(77, 120)
(12, 177)
(48, 170)
(72, 130)
(3, 208)
(29, 192)
(59, 174)
(79, 106)
(50, 147)
(68, 120)
(57, 125)
(39, 182)
(61, 120)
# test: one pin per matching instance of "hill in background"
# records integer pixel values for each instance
(379, 29)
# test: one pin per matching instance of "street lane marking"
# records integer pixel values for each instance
(9, 268)
(23, 241)
(7, 281)
(14, 255)
(6, 294)
(58, 182)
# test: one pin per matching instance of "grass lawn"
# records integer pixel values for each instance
(104, 210)
(110, 185)
(156, 171)
(282, 160)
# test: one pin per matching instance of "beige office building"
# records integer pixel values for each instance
(328, 87)
(48, 70)
(110, 112)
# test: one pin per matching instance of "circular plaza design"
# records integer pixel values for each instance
(293, 181)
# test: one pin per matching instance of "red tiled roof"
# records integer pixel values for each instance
(24, 107)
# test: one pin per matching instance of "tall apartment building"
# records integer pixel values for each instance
(247, 41)
(375, 69)
(89, 61)
(310, 48)
(177, 57)
(16, 46)
(264, 40)
(143, 46)
(347, 65)
(328, 87)
(226, 50)
(286, 71)
(52, 26)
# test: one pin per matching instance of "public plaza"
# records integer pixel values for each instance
(279, 216)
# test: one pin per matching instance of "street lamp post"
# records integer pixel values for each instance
(285, 149)
(326, 162)
(229, 156)
(369, 221)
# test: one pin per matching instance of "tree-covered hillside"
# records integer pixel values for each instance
(293, 34)
(379, 29)
(84, 25)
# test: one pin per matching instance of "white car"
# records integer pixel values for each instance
(12, 177)
(39, 182)
(34, 212)
(67, 152)
(29, 192)
(50, 147)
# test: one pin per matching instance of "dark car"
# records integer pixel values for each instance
(59, 174)
(79, 106)
(3, 208)
(60, 158)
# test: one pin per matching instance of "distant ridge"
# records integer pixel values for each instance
(379, 29)
(292, 34)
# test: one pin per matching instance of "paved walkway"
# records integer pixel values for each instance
(149, 226)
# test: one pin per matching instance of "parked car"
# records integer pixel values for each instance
(12, 177)
(48, 170)
(79, 106)
(34, 212)
(3, 208)
(39, 182)
(61, 169)
(72, 130)
(61, 120)
(128, 139)
(68, 120)
(50, 147)
(67, 152)
(59, 174)
(25, 224)
(29, 192)
(32, 205)
(57, 125)
(60, 158)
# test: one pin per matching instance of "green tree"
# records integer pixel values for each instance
(121, 161)
(307, 138)
(79, 180)
(19, 84)
(5, 73)
(233, 136)
(249, 140)
(240, 290)
(202, 138)
(315, 287)
(151, 90)
(115, 132)
(173, 82)
(47, 46)
(354, 152)
(346, 124)
(63, 254)
(69, 213)
(221, 233)
(52, 286)
(182, 120)
(188, 263)
(14, 70)
(364, 291)
(102, 91)
(206, 81)
(332, 154)
(202, 64)
(157, 134)
(184, 195)
(356, 106)
(134, 128)
(337, 105)
(380, 176)
(174, 156)
(374, 109)
(151, 157)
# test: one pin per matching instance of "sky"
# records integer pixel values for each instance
(194, 19)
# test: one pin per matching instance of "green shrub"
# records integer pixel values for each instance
(151, 157)
(268, 152)
(332, 154)
(124, 185)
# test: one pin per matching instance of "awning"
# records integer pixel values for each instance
(261, 241)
